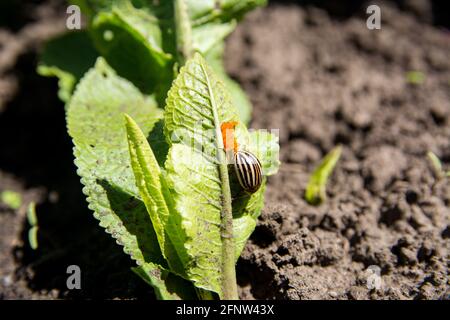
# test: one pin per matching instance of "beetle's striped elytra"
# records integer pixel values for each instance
(248, 171)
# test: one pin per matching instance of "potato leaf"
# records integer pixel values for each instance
(316, 188)
(95, 123)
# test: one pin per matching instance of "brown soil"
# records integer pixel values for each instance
(322, 78)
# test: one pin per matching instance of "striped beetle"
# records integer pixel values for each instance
(248, 171)
(246, 165)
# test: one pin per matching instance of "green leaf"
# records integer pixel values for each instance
(316, 188)
(202, 12)
(67, 57)
(266, 147)
(95, 123)
(130, 39)
(167, 285)
(243, 228)
(197, 104)
(196, 192)
(207, 36)
(156, 196)
(239, 98)
(158, 143)
(214, 57)
(11, 198)
(91, 7)
(137, 38)
(195, 185)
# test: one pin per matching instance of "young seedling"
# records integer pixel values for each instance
(316, 189)
(11, 198)
(437, 166)
(33, 222)
(415, 77)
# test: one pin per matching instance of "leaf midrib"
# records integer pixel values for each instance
(228, 279)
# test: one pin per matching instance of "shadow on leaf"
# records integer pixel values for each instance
(133, 214)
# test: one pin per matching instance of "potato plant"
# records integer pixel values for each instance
(146, 95)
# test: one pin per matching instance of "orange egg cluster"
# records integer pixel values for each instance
(229, 139)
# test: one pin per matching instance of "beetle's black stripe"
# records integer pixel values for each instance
(248, 170)
(246, 161)
(242, 171)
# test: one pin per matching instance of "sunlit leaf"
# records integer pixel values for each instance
(197, 104)
(156, 196)
(214, 57)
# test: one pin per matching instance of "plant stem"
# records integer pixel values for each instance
(183, 32)
(228, 281)
(229, 286)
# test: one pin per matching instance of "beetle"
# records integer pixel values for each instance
(246, 165)
(248, 171)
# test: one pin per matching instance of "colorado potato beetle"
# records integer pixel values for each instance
(248, 171)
